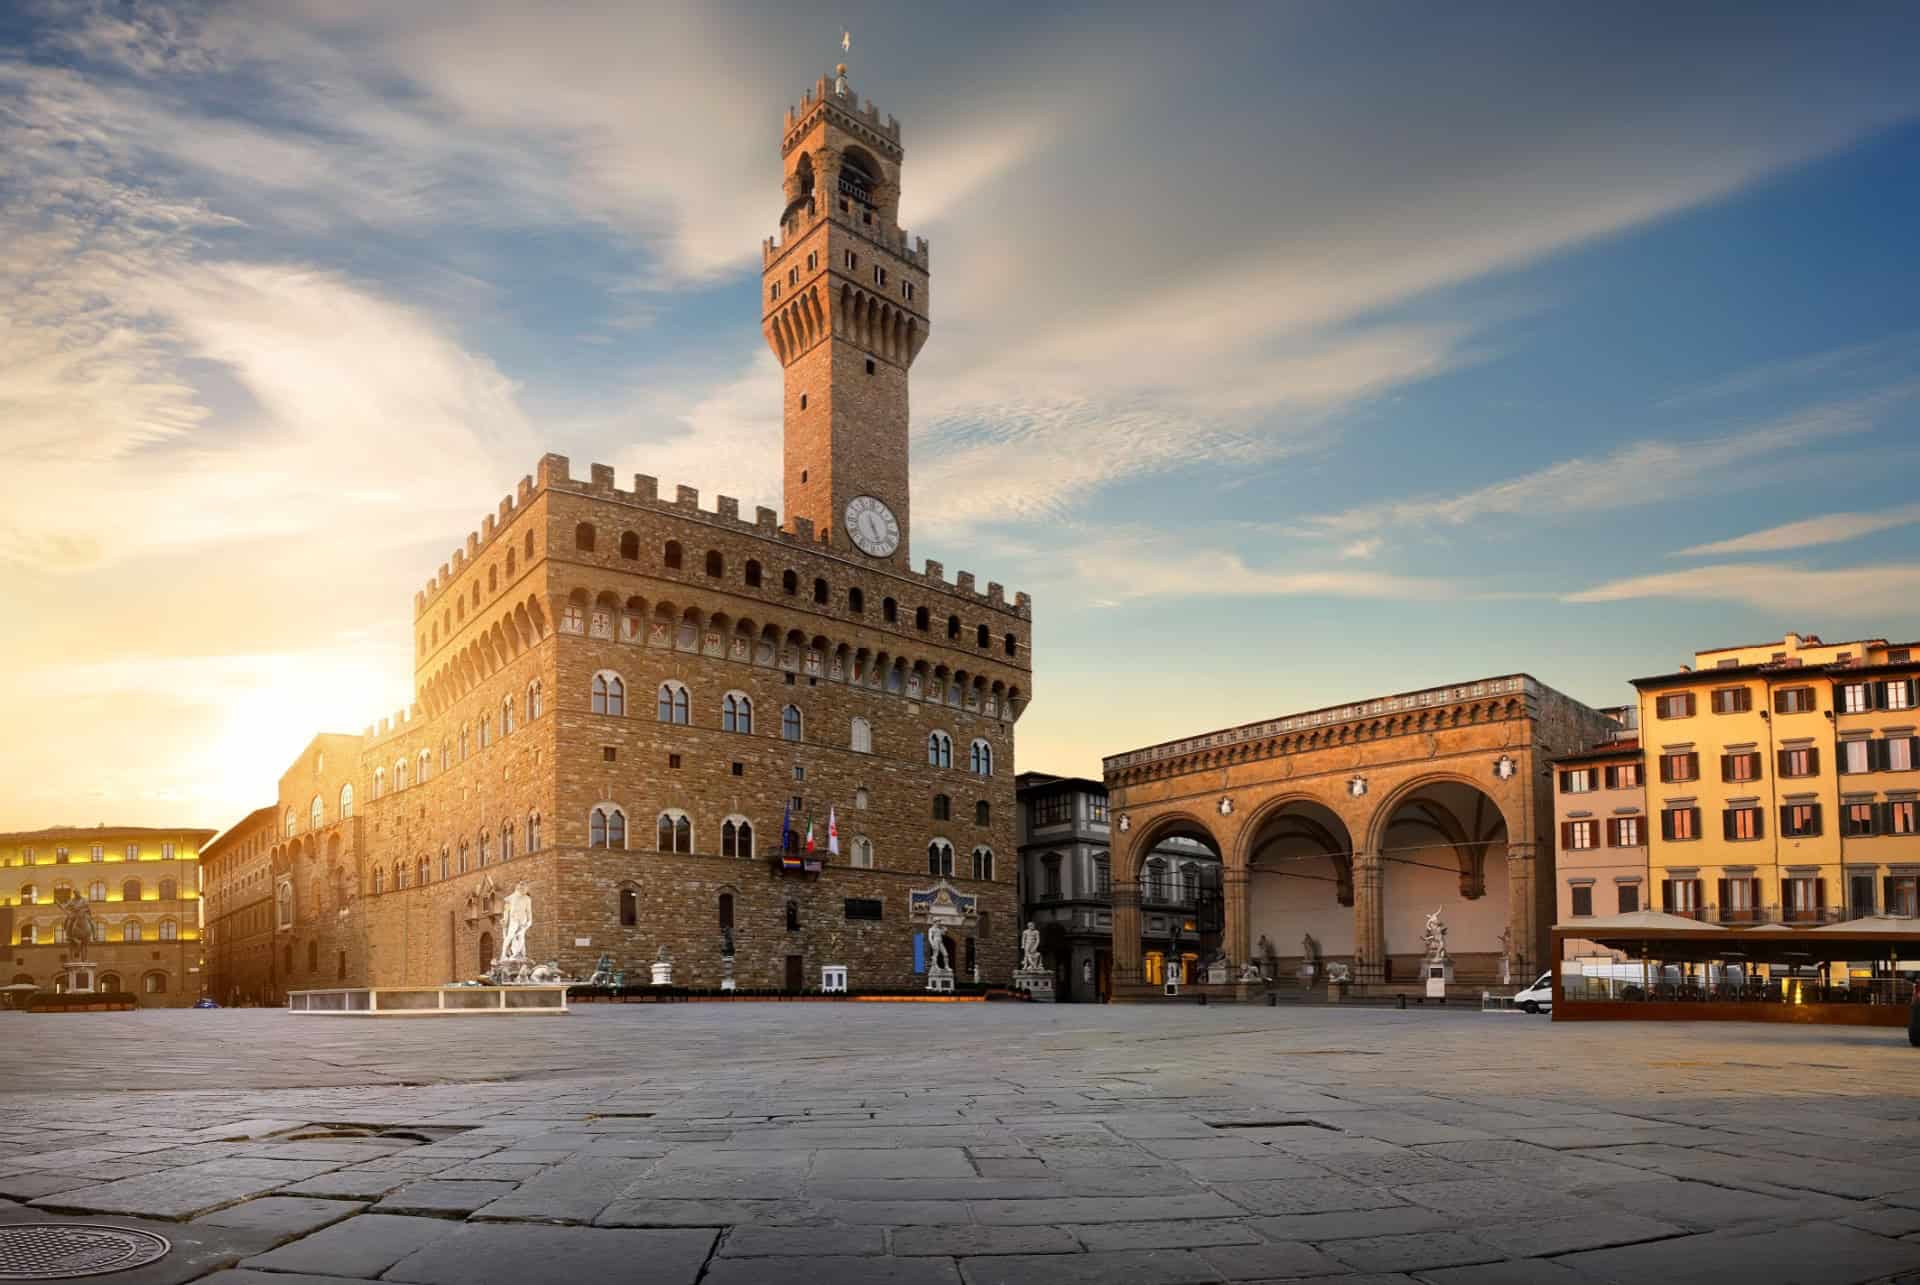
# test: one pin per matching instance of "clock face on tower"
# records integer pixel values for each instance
(871, 523)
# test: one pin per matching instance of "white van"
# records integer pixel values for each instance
(1537, 998)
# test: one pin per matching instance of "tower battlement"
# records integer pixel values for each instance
(824, 97)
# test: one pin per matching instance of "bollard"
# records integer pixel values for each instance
(1203, 999)
(1402, 1001)
(1273, 1000)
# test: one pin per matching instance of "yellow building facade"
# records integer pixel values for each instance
(1781, 782)
(144, 887)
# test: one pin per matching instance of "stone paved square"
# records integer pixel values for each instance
(973, 1143)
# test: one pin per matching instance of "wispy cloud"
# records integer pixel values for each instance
(1852, 593)
(1640, 473)
(1122, 569)
(1830, 528)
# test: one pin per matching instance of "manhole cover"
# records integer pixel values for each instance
(60, 1251)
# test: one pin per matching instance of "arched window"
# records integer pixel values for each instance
(583, 537)
(862, 740)
(673, 704)
(316, 813)
(889, 611)
(533, 832)
(506, 716)
(753, 574)
(130, 890)
(790, 723)
(736, 837)
(629, 908)
(529, 545)
(169, 890)
(379, 781)
(379, 880)
(607, 827)
(423, 767)
(953, 626)
(675, 832)
(446, 863)
(940, 857)
(983, 863)
(726, 912)
(983, 637)
(609, 694)
(980, 759)
(400, 776)
(506, 842)
(130, 931)
(511, 564)
(290, 824)
(856, 601)
(673, 555)
(1012, 645)
(862, 858)
(27, 892)
(789, 582)
(486, 730)
(169, 931)
(466, 857)
(27, 937)
(423, 872)
(716, 565)
(346, 801)
(629, 545)
(939, 750)
(402, 875)
(736, 713)
(97, 890)
(493, 578)
(920, 619)
(534, 700)
(942, 808)
(860, 799)
(819, 590)
(466, 741)
(793, 915)
(154, 984)
(983, 813)
(110, 983)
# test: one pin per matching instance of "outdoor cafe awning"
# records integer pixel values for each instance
(1652, 934)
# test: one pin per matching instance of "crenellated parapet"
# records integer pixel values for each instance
(477, 542)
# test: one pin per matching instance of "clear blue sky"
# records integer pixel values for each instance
(1287, 354)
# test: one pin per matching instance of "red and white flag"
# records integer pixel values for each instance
(833, 832)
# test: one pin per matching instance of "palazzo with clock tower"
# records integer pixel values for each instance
(767, 744)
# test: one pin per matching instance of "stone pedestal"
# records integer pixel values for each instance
(726, 972)
(81, 977)
(1037, 983)
(940, 979)
(663, 974)
(1439, 977)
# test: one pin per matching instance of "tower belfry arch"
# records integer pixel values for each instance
(844, 299)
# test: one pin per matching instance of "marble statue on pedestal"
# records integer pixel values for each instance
(937, 959)
(519, 918)
(1030, 949)
(1435, 935)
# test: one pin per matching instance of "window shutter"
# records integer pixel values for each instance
(1666, 895)
(1758, 896)
(1813, 819)
(1886, 892)
(1786, 826)
(1883, 818)
(1695, 829)
(1693, 765)
(1813, 760)
(1819, 893)
(1666, 825)
(1879, 695)
(1566, 836)
(1726, 767)
(1780, 763)
(1724, 896)
(1726, 824)
(1879, 755)
(1613, 832)
(1690, 705)
(1759, 823)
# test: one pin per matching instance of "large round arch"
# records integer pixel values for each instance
(1298, 854)
(1442, 844)
(1177, 865)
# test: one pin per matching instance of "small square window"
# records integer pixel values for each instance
(790, 681)
(673, 761)
(799, 772)
(739, 769)
(608, 753)
(870, 365)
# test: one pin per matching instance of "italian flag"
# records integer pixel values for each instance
(809, 832)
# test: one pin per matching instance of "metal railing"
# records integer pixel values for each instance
(1697, 989)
